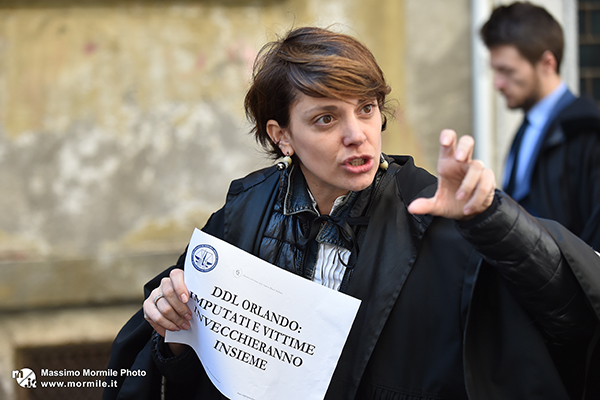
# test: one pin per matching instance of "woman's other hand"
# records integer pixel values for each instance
(166, 307)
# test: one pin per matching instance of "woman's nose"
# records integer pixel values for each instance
(353, 133)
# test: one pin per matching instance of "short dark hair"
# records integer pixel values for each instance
(314, 61)
(531, 29)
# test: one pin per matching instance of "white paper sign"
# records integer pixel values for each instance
(261, 332)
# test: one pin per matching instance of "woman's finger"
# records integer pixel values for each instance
(177, 280)
(173, 297)
(156, 319)
(483, 194)
(464, 149)
(470, 180)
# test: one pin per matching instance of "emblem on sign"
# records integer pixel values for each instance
(204, 258)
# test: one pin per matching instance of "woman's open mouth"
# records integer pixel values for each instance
(357, 161)
(359, 165)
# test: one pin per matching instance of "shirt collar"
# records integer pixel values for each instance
(298, 197)
(338, 202)
(539, 113)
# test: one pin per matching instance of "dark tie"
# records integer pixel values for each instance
(514, 150)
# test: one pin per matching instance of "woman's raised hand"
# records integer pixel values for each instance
(465, 186)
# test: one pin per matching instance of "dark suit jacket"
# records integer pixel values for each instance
(564, 179)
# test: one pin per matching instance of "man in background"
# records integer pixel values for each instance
(553, 167)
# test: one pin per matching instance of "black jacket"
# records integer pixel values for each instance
(443, 316)
(565, 181)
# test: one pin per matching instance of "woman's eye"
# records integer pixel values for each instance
(368, 108)
(325, 119)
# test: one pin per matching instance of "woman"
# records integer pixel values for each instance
(464, 295)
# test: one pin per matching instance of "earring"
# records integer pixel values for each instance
(383, 164)
(285, 162)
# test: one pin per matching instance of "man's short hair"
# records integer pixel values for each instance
(531, 29)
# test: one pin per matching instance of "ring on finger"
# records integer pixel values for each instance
(157, 298)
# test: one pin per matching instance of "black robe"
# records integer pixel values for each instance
(420, 283)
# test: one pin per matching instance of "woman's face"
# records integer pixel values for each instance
(337, 142)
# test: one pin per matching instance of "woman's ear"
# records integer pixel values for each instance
(279, 136)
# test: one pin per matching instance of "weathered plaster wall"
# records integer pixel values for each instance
(118, 123)
(437, 61)
(121, 123)
(121, 126)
